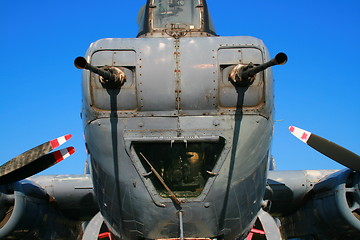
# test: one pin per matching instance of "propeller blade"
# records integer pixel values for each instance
(32, 158)
(328, 148)
(9, 175)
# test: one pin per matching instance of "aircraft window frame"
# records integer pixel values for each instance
(193, 171)
(194, 26)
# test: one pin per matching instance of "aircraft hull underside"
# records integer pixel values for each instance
(230, 198)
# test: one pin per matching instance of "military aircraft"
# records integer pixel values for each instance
(178, 124)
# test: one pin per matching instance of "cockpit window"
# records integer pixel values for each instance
(184, 168)
(176, 14)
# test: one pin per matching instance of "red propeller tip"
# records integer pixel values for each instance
(300, 133)
(68, 136)
(59, 141)
(63, 153)
(291, 128)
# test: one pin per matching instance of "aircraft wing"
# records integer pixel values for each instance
(46, 207)
(43, 207)
(317, 204)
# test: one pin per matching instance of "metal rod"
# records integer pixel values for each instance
(177, 201)
(181, 225)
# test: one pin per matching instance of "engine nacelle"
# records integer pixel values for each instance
(332, 210)
(28, 212)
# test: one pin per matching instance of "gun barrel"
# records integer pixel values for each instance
(279, 59)
(81, 63)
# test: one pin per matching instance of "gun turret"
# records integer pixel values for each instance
(110, 77)
(244, 75)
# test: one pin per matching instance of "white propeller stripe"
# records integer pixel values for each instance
(300, 133)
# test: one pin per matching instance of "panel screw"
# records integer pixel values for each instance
(216, 122)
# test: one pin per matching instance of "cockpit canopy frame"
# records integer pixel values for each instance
(175, 18)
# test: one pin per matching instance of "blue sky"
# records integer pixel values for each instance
(318, 89)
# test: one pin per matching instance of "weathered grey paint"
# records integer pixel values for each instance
(178, 89)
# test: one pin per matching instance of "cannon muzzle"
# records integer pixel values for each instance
(110, 77)
(245, 75)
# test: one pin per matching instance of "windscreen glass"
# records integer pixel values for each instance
(173, 14)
